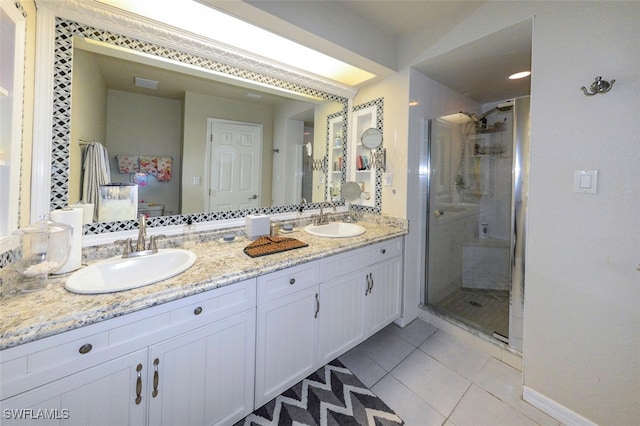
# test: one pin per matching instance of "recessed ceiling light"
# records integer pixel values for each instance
(521, 74)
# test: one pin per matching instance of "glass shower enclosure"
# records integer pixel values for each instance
(475, 218)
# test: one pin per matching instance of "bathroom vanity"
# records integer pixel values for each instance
(205, 347)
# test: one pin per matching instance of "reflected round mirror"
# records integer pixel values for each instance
(351, 191)
(371, 138)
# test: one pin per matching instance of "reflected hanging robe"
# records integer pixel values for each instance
(96, 172)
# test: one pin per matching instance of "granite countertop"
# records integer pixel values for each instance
(27, 317)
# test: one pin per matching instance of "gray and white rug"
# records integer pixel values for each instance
(332, 396)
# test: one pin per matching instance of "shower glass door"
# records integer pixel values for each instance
(471, 208)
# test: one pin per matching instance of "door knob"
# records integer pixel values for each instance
(254, 197)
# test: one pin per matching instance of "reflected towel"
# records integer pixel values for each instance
(149, 165)
(127, 163)
(164, 169)
(96, 172)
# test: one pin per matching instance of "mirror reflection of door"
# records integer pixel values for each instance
(233, 165)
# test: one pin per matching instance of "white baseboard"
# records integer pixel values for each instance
(555, 410)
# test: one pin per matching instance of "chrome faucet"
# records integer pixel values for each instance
(324, 218)
(140, 248)
(142, 233)
(302, 205)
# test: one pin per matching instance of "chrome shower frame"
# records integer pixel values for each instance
(519, 205)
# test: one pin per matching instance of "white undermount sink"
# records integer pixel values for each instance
(335, 230)
(117, 274)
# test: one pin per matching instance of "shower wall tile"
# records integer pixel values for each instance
(485, 266)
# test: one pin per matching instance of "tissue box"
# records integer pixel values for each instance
(257, 225)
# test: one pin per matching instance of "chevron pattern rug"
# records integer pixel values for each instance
(332, 396)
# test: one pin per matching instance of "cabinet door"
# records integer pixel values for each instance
(103, 395)
(286, 342)
(382, 303)
(341, 315)
(204, 377)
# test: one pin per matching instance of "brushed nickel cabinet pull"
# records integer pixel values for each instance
(317, 306)
(139, 385)
(85, 349)
(156, 379)
(198, 310)
(369, 283)
(292, 281)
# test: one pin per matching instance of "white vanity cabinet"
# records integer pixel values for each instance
(105, 394)
(287, 329)
(357, 304)
(190, 361)
(205, 377)
(312, 313)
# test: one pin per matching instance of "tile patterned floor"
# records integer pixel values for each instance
(432, 378)
(486, 310)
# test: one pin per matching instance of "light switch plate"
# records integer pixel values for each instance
(585, 181)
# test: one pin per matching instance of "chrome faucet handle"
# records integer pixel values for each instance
(152, 243)
(127, 246)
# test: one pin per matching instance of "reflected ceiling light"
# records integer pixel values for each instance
(413, 102)
(208, 22)
(145, 83)
(518, 75)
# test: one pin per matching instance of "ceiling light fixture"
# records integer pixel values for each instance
(206, 21)
(518, 75)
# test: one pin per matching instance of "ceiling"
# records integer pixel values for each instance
(478, 70)
(371, 35)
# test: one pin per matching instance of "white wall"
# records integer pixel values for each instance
(395, 91)
(88, 115)
(287, 135)
(582, 321)
(582, 288)
(146, 125)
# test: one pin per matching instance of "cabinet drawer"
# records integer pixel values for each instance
(387, 249)
(287, 281)
(344, 263)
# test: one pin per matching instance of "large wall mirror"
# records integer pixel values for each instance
(12, 68)
(199, 105)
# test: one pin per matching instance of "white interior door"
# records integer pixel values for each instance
(234, 165)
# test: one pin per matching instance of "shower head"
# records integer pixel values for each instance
(474, 117)
(471, 115)
(505, 106)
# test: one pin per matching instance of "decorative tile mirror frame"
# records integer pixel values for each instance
(65, 18)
